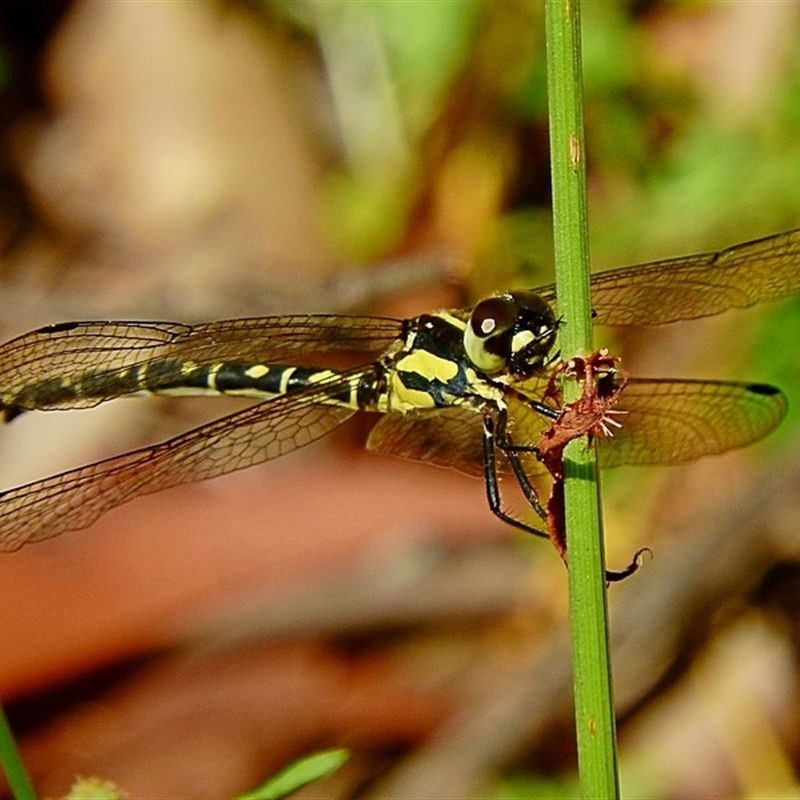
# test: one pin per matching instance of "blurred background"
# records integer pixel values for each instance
(198, 160)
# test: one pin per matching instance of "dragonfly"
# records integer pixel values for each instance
(463, 388)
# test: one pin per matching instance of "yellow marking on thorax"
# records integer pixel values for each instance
(428, 365)
(400, 398)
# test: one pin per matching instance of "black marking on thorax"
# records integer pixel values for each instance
(433, 361)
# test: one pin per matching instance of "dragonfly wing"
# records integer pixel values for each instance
(75, 499)
(673, 421)
(70, 350)
(700, 285)
(453, 437)
(448, 437)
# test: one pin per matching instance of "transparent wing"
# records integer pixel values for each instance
(700, 285)
(453, 437)
(69, 350)
(76, 498)
(663, 422)
(448, 437)
(672, 421)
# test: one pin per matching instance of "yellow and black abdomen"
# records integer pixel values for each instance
(188, 378)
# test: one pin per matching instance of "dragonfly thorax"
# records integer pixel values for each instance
(514, 332)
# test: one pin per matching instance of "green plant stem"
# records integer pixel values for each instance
(16, 774)
(594, 709)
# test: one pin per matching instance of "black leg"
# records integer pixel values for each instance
(495, 437)
(494, 423)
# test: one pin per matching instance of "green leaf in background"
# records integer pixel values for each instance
(298, 774)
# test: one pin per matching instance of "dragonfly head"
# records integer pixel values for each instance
(514, 332)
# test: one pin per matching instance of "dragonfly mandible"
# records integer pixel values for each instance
(459, 388)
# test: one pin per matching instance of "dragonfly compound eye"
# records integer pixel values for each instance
(513, 331)
(487, 337)
(533, 334)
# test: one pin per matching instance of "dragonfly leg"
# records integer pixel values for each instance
(494, 438)
(524, 482)
(503, 440)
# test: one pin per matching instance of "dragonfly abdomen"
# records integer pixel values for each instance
(189, 378)
(259, 381)
(357, 390)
